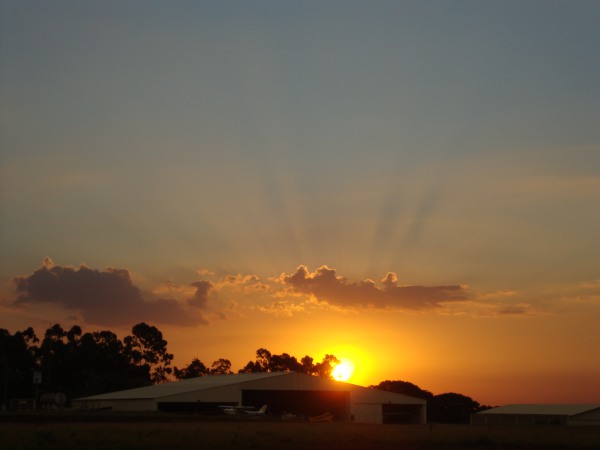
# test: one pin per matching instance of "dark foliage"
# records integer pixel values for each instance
(80, 364)
(267, 362)
(405, 388)
(147, 348)
(451, 408)
(194, 369)
(443, 408)
(17, 359)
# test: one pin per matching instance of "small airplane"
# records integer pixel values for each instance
(249, 410)
(261, 412)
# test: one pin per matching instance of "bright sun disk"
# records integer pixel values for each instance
(343, 371)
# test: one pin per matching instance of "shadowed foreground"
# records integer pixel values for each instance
(290, 436)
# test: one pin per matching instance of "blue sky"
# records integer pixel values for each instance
(451, 143)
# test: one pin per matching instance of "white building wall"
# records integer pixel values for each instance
(367, 412)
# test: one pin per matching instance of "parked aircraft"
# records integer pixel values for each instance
(261, 412)
(247, 410)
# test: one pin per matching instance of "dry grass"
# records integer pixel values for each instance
(288, 436)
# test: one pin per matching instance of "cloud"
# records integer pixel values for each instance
(326, 285)
(205, 272)
(106, 297)
(249, 284)
(282, 308)
(200, 298)
(513, 310)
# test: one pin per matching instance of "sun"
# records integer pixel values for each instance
(343, 371)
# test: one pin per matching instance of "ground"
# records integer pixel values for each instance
(132, 433)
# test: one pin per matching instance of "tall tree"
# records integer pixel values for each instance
(105, 366)
(307, 365)
(194, 369)
(221, 367)
(55, 356)
(284, 363)
(325, 367)
(261, 364)
(146, 347)
(267, 362)
(17, 363)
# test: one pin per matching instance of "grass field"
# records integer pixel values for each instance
(288, 436)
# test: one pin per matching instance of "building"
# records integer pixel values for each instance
(539, 415)
(283, 392)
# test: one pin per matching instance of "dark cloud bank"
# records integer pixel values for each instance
(327, 286)
(106, 297)
(109, 297)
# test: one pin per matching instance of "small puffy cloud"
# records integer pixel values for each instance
(242, 283)
(326, 285)
(106, 297)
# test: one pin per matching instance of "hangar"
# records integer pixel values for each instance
(539, 415)
(283, 392)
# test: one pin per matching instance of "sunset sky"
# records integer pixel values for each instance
(411, 185)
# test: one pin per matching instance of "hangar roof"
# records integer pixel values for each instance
(292, 380)
(543, 409)
(183, 386)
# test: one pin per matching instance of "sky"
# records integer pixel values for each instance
(410, 185)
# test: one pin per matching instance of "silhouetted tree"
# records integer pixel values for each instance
(451, 408)
(105, 365)
(443, 408)
(284, 363)
(267, 362)
(59, 370)
(307, 365)
(403, 387)
(86, 364)
(325, 367)
(194, 369)
(221, 367)
(263, 359)
(17, 363)
(261, 364)
(146, 347)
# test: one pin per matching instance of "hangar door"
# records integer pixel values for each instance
(395, 413)
(306, 403)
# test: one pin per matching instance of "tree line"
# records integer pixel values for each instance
(82, 364)
(449, 407)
